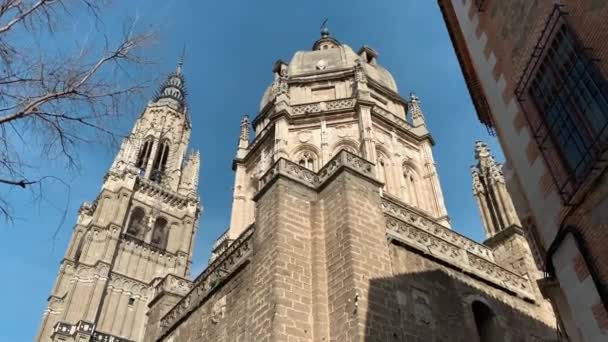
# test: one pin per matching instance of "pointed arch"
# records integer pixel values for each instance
(383, 168)
(160, 161)
(347, 145)
(160, 233)
(307, 156)
(144, 154)
(413, 188)
(137, 226)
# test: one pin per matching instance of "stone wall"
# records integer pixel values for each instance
(321, 268)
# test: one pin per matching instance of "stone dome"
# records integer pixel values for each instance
(327, 55)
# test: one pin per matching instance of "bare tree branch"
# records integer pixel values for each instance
(54, 100)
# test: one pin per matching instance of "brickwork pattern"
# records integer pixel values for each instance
(323, 270)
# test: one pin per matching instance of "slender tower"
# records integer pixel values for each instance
(140, 228)
(504, 232)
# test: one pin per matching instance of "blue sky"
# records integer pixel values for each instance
(231, 47)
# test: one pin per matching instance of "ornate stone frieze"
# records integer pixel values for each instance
(323, 106)
(171, 198)
(410, 233)
(122, 283)
(314, 180)
(173, 284)
(103, 337)
(392, 118)
(419, 221)
(234, 256)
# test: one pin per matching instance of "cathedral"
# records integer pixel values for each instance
(338, 229)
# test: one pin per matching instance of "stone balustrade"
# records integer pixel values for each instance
(409, 227)
(394, 119)
(235, 255)
(317, 107)
(413, 217)
(300, 174)
(173, 284)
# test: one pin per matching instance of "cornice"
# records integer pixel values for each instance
(342, 161)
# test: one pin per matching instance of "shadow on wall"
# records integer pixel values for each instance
(434, 305)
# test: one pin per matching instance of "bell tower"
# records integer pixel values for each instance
(140, 228)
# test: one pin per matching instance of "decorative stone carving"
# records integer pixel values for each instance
(411, 216)
(304, 136)
(310, 178)
(323, 106)
(236, 253)
(412, 229)
(321, 64)
(218, 310)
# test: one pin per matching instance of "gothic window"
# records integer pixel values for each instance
(381, 165)
(412, 188)
(308, 160)
(144, 155)
(137, 227)
(160, 232)
(485, 322)
(160, 162)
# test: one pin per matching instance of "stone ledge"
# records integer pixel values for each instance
(343, 160)
(458, 257)
(412, 217)
(222, 268)
(170, 284)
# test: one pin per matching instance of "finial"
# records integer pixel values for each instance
(180, 63)
(324, 29)
(245, 128)
(414, 98)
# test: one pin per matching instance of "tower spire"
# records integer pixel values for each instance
(172, 91)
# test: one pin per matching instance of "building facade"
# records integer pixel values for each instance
(137, 234)
(339, 231)
(537, 71)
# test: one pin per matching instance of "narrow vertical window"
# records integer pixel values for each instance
(144, 155)
(159, 234)
(136, 225)
(382, 173)
(160, 162)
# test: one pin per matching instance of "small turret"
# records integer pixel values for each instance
(495, 204)
(416, 111)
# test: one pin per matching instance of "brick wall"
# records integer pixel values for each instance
(323, 270)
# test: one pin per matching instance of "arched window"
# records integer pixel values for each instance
(137, 227)
(382, 174)
(160, 162)
(159, 234)
(346, 145)
(308, 160)
(412, 186)
(144, 155)
(485, 322)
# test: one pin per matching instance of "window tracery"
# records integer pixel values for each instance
(308, 159)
